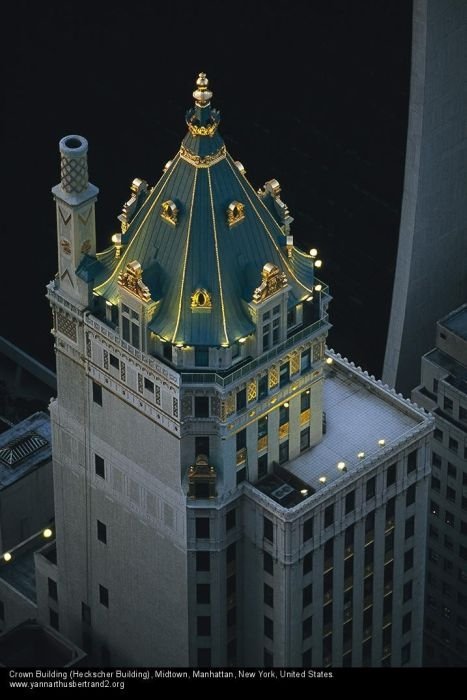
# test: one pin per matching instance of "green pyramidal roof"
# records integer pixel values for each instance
(203, 230)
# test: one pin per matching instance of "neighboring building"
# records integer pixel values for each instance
(217, 500)
(32, 644)
(431, 273)
(443, 390)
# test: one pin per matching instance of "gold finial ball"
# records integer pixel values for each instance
(202, 95)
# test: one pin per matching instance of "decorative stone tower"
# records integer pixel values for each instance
(190, 391)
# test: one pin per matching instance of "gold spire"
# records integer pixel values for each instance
(202, 95)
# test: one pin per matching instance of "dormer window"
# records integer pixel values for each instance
(130, 326)
(169, 212)
(235, 213)
(201, 300)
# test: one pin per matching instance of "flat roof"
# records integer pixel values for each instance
(359, 413)
(20, 573)
(33, 644)
(30, 441)
(456, 322)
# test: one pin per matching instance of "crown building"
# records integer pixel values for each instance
(227, 490)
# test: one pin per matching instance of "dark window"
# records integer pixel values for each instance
(438, 435)
(203, 593)
(204, 658)
(436, 460)
(349, 538)
(85, 614)
(448, 404)
(366, 653)
(268, 595)
(407, 591)
(328, 580)
(104, 596)
(101, 532)
(306, 658)
(462, 551)
(410, 495)
(448, 542)
(203, 625)
(304, 439)
(202, 528)
(308, 529)
(409, 527)
(276, 327)
(268, 529)
(262, 387)
(452, 471)
(305, 361)
(262, 466)
(231, 519)
(232, 617)
(268, 563)
(284, 374)
(283, 414)
(241, 400)
(405, 654)
(350, 502)
(435, 484)
(99, 466)
(231, 585)
(329, 515)
(283, 452)
(53, 591)
(203, 561)
(201, 357)
(304, 400)
(291, 317)
(262, 427)
(268, 628)
(148, 385)
(167, 351)
(308, 563)
(241, 439)
(391, 475)
(449, 519)
(412, 462)
(450, 494)
(327, 614)
(328, 553)
(435, 386)
(268, 659)
(307, 629)
(202, 445)
(202, 406)
(371, 488)
(307, 595)
(453, 444)
(97, 393)
(408, 560)
(114, 361)
(53, 618)
(232, 652)
(231, 553)
(434, 508)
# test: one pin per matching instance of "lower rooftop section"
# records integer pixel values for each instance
(33, 644)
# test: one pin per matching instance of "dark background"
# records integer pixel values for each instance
(313, 93)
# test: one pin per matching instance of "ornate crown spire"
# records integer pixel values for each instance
(202, 95)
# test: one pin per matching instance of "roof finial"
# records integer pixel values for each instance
(202, 95)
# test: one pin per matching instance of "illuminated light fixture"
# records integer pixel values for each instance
(47, 533)
(307, 391)
(273, 400)
(294, 388)
(242, 340)
(381, 442)
(329, 360)
(341, 466)
(309, 298)
(286, 405)
(117, 241)
(322, 479)
(318, 263)
(224, 345)
(252, 413)
(163, 340)
(179, 345)
(360, 455)
(108, 303)
(304, 492)
(318, 287)
(313, 252)
(7, 556)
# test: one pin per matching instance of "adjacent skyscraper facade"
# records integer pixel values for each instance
(227, 491)
(443, 390)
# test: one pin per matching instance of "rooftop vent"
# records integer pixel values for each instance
(282, 492)
(20, 448)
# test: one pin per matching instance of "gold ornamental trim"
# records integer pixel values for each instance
(131, 279)
(202, 161)
(273, 280)
(197, 130)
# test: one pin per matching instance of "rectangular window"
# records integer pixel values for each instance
(231, 553)
(202, 445)
(283, 452)
(203, 625)
(328, 553)
(97, 393)
(241, 439)
(148, 385)
(407, 591)
(268, 595)
(307, 629)
(53, 618)
(262, 466)
(435, 484)
(409, 527)
(202, 528)
(412, 462)
(284, 374)
(391, 475)
(410, 495)
(85, 614)
(408, 560)
(305, 400)
(329, 515)
(114, 361)
(434, 509)
(103, 596)
(262, 387)
(448, 404)
(305, 361)
(202, 406)
(370, 488)
(453, 444)
(203, 561)
(231, 519)
(231, 617)
(438, 435)
(450, 494)
(268, 628)
(167, 352)
(436, 460)
(449, 519)
(268, 529)
(349, 502)
(276, 329)
(307, 597)
(201, 356)
(241, 400)
(203, 593)
(241, 475)
(101, 532)
(268, 563)
(52, 588)
(283, 414)
(304, 439)
(308, 529)
(308, 563)
(452, 471)
(262, 427)
(405, 654)
(462, 414)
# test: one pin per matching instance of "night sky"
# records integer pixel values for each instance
(312, 93)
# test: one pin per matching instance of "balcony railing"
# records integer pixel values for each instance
(266, 358)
